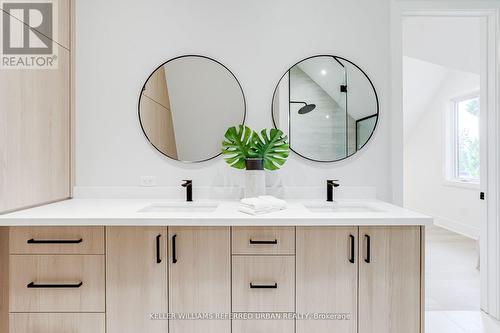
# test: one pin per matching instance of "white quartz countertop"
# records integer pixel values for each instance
(125, 212)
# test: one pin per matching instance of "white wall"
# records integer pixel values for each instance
(119, 42)
(447, 41)
(425, 189)
(421, 81)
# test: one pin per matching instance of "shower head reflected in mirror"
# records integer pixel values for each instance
(306, 108)
(328, 106)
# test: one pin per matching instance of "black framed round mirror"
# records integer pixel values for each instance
(327, 106)
(186, 105)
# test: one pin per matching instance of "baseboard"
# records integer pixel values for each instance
(457, 227)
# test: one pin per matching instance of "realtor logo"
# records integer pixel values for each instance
(28, 35)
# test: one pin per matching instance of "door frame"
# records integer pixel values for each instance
(490, 231)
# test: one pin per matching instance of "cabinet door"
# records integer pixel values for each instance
(199, 277)
(57, 323)
(327, 277)
(263, 326)
(136, 279)
(35, 135)
(389, 280)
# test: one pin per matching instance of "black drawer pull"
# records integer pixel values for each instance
(158, 250)
(264, 286)
(368, 254)
(351, 259)
(55, 241)
(53, 286)
(174, 247)
(263, 241)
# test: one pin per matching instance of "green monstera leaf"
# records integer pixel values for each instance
(272, 146)
(236, 147)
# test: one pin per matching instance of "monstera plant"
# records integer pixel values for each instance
(242, 143)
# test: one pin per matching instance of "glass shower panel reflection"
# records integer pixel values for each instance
(318, 109)
(364, 130)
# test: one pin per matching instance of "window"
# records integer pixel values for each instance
(464, 142)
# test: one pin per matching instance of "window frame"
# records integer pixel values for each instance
(451, 156)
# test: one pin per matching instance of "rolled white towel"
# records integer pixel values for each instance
(256, 204)
(275, 202)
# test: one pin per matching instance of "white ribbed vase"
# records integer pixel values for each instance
(255, 178)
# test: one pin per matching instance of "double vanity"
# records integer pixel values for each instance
(157, 266)
(134, 266)
(128, 266)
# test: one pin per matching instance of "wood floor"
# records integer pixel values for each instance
(452, 285)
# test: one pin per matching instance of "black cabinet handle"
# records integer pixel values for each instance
(158, 249)
(174, 254)
(54, 241)
(263, 241)
(368, 255)
(263, 286)
(55, 285)
(351, 259)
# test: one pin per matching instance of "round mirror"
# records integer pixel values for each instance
(187, 104)
(328, 107)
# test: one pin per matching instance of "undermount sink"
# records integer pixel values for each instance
(341, 207)
(174, 207)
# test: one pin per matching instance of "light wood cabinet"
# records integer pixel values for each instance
(389, 280)
(369, 277)
(155, 115)
(62, 9)
(199, 277)
(36, 125)
(199, 326)
(264, 326)
(371, 273)
(263, 284)
(327, 277)
(4, 279)
(57, 283)
(35, 135)
(263, 240)
(136, 279)
(56, 240)
(57, 323)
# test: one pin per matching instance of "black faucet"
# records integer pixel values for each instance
(330, 184)
(189, 189)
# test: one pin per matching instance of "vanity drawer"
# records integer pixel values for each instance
(57, 283)
(57, 240)
(264, 240)
(263, 284)
(57, 323)
(263, 326)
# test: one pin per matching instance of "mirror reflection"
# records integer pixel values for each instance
(328, 107)
(187, 104)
